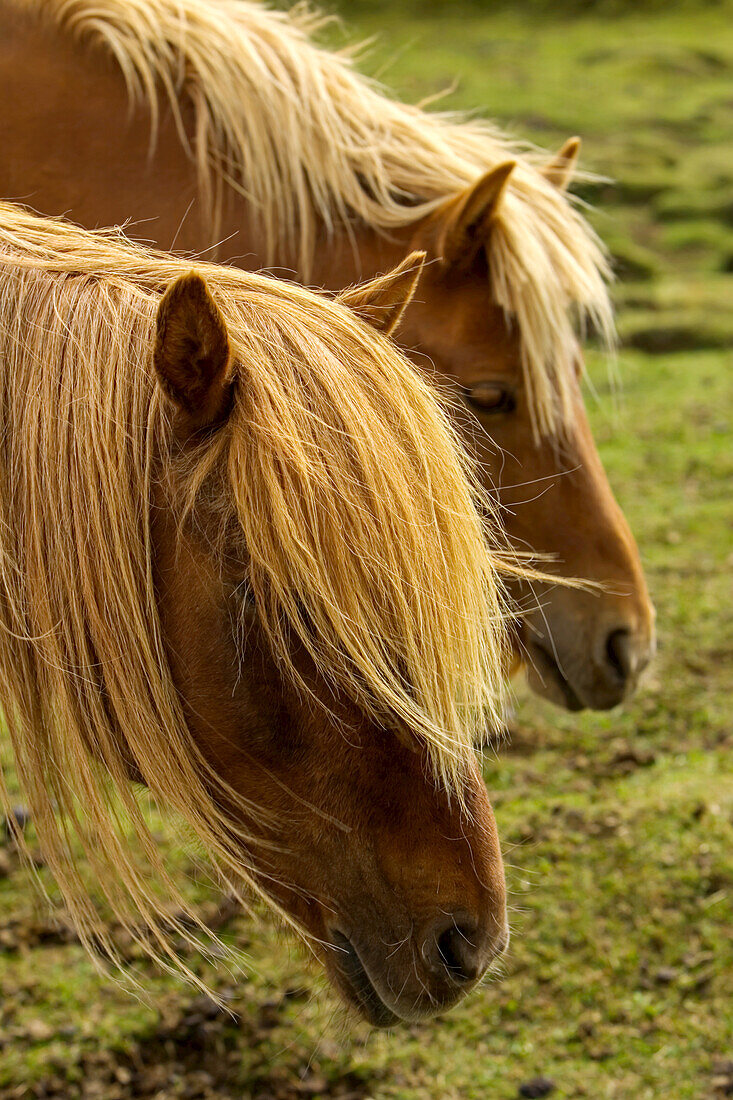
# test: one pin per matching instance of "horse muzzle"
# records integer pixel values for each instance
(414, 978)
(578, 668)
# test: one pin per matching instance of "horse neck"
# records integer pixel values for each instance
(340, 258)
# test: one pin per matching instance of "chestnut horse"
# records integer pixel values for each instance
(219, 121)
(241, 563)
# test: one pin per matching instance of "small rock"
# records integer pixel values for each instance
(665, 975)
(37, 1031)
(723, 1085)
(536, 1088)
(313, 1085)
(269, 1014)
(205, 1007)
(16, 821)
(634, 754)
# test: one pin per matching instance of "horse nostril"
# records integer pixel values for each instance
(458, 954)
(619, 652)
(457, 950)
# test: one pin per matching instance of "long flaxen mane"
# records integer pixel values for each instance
(338, 467)
(311, 143)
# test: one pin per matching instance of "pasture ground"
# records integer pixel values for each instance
(618, 828)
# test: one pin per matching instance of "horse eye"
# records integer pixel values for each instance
(491, 398)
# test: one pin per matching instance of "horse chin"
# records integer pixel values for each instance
(547, 677)
(546, 680)
(349, 976)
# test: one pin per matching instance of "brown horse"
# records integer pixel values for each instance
(241, 563)
(218, 120)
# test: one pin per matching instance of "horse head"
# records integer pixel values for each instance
(494, 315)
(270, 597)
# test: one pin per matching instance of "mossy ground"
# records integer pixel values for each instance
(618, 828)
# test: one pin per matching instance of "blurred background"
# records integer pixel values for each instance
(618, 827)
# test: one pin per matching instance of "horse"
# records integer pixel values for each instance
(220, 123)
(244, 568)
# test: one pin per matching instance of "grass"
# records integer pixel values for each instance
(618, 828)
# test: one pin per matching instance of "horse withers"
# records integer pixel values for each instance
(241, 563)
(278, 153)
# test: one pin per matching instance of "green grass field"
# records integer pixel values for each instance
(617, 828)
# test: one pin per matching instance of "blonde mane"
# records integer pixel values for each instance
(353, 502)
(311, 143)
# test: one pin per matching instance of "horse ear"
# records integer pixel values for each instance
(382, 301)
(191, 353)
(559, 171)
(464, 223)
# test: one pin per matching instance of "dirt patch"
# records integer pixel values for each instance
(195, 1052)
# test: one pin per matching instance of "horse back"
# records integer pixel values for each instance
(73, 144)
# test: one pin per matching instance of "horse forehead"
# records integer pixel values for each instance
(464, 324)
